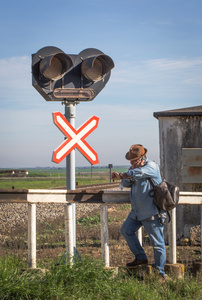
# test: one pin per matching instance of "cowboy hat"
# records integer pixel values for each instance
(136, 152)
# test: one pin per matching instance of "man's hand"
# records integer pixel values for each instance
(115, 175)
(137, 163)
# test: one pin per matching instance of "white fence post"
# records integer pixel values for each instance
(104, 235)
(32, 235)
(201, 232)
(69, 234)
(172, 237)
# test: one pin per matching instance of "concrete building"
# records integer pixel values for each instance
(180, 138)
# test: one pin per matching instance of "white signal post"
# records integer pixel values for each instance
(75, 139)
(70, 209)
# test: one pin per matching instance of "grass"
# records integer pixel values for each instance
(87, 279)
(88, 221)
(44, 183)
(48, 182)
(54, 178)
(31, 183)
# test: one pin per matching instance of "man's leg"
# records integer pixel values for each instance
(155, 231)
(128, 229)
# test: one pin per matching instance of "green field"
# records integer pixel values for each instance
(55, 177)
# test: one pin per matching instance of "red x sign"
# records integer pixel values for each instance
(75, 138)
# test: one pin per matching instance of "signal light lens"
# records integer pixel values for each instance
(74, 94)
(54, 66)
(96, 67)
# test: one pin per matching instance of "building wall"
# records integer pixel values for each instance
(175, 133)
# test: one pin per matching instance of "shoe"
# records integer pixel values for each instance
(164, 278)
(137, 262)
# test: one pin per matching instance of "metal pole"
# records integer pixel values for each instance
(70, 221)
(110, 171)
(110, 174)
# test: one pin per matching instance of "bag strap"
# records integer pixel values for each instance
(169, 217)
(151, 182)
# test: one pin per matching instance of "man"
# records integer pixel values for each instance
(144, 212)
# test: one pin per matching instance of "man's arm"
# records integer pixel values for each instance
(116, 175)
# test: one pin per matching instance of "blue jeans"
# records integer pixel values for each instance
(154, 229)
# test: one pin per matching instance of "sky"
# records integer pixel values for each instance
(156, 48)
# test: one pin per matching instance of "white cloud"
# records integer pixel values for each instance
(158, 71)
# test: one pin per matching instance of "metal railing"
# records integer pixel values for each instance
(104, 197)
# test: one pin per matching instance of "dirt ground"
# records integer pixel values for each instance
(88, 243)
(120, 254)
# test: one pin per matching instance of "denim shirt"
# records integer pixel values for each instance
(142, 204)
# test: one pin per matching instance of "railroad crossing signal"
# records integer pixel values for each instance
(75, 138)
(58, 76)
